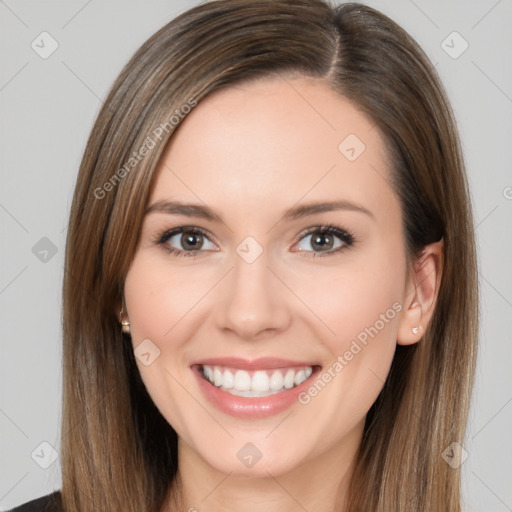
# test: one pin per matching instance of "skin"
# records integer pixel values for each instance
(250, 153)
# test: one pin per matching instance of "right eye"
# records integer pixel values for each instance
(185, 241)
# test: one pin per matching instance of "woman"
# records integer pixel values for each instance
(270, 287)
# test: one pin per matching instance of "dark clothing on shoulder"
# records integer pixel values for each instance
(49, 503)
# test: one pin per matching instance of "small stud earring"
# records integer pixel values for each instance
(415, 330)
(125, 324)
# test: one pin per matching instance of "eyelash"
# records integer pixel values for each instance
(344, 235)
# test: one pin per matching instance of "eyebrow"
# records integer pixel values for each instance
(296, 212)
(187, 209)
(304, 210)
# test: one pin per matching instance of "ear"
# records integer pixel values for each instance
(421, 294)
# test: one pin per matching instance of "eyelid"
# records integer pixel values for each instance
(326, 228)
(174, 231)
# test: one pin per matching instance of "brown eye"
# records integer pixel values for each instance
(325, 239)
(186, 241)
(191, 241)
(321, 241)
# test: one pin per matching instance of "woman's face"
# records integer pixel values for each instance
(237, 280)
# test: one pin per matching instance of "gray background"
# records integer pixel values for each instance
(47, 107)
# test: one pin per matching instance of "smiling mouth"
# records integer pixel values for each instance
(258, 383)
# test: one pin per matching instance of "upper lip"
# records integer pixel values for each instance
(261, 363)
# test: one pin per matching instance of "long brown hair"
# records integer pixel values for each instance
(118, 453)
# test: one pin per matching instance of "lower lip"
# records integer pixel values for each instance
(251, 407)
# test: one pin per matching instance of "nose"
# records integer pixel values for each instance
(253, 303)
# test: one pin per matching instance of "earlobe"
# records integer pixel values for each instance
(421, 294)
(411, 330)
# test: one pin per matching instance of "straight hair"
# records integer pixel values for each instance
(118, 453)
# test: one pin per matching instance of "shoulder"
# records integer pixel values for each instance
(49, 503)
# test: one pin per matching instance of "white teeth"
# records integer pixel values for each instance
(229, 380)
(217, 377)
(289, 379)
(242, 381)
(261, 383)
(276, 381)
(209, 372)
(300, 377)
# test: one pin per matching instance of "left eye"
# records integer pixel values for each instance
(324, 240)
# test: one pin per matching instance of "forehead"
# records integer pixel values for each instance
(274, 142)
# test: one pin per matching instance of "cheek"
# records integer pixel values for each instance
(359, 299)
(363, 309)
(159, 297)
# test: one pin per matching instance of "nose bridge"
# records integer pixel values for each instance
(253, 299)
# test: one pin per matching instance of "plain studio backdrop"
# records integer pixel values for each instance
(50, 94)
